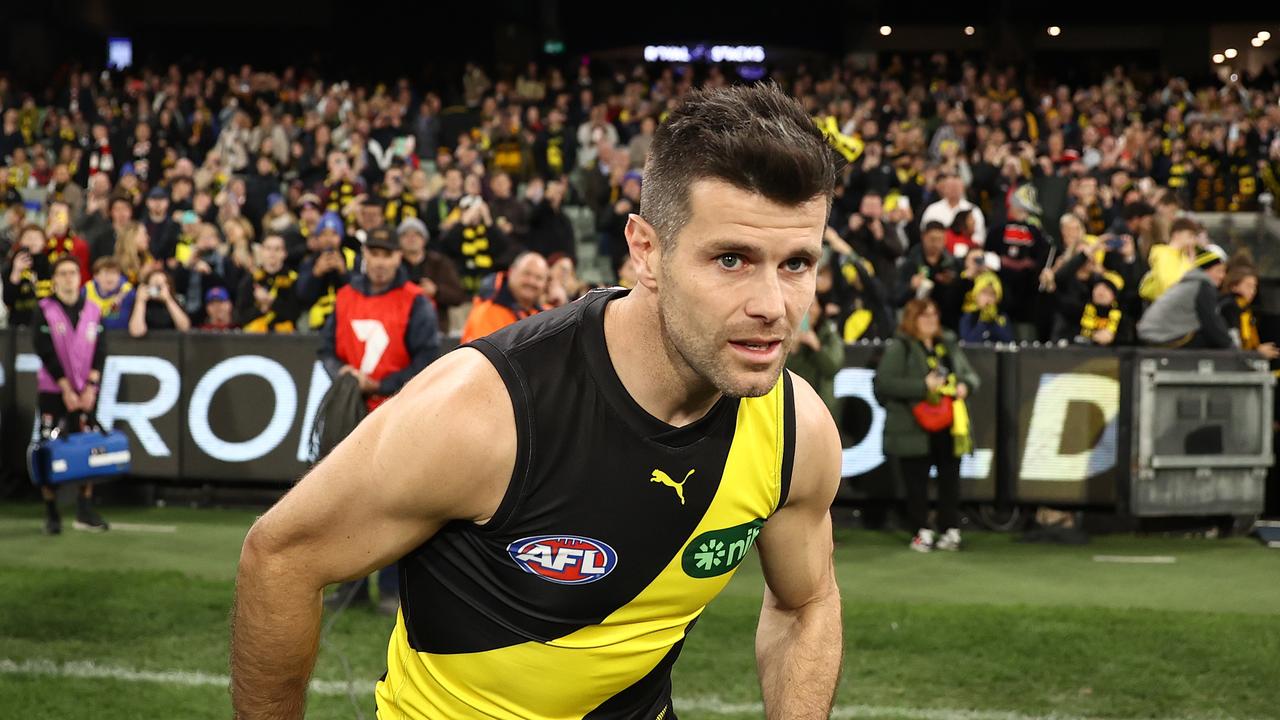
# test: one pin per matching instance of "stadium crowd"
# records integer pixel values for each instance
(241, 199)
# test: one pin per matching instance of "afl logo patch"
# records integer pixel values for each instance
(564, 559)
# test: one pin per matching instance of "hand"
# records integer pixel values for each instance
(832, 310)
(505, 225)
(21, 263)
(429, 288)
(962, 391)
(261, 296)
(202, 267)
(1103, 337)
(622, 207)
(71, 399)
(877, 229)
(348, 370)
(837, 243)
(368, 385)
(1269, 350)
(934, 381)
(971, 267)
(916, 280)
(1047, 282)
(89, 396)
(855, 222)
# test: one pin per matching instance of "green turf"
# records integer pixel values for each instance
(1001, 627)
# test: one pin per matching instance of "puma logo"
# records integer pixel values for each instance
(661, 477)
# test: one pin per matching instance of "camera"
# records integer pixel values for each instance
(153, 291)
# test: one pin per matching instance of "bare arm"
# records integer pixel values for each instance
(798, 642)
(404, 472)
(138, 318)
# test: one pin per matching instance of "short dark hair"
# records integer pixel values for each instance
(756, 138)
(1183, 224)
(62, 260)
(934, 225)
(107, 262)
(1136, 210)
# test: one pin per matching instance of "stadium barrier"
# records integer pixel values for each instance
(1150, 432)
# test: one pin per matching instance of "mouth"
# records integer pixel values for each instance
(758, 350)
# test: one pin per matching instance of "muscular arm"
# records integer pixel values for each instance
(338, 523)
(798, 641)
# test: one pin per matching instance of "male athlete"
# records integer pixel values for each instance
(566, 495)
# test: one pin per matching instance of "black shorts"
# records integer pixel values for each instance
(53, 412)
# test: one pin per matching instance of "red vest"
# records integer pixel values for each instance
(370, 331)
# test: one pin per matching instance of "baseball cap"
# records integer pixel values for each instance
(158, 192)
(127, 169)
(274, 199)
(331, 221)
(381, 239)
(309, 199)
(216, 294)
(413, 225)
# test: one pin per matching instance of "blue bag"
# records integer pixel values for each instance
(76, 457)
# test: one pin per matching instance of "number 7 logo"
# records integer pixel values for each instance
(374, 336)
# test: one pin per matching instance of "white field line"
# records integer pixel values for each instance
(710, 705)
(1136, 559)
(122, 526)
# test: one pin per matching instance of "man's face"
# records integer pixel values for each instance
(1142, 224)
(412, 242)
(501, 185)
(381, 264)
(219, 312)
(273, 254)
(1217, 274)
(952, 189)
(157, 207)
(453, 181)
(733, 286)
(327, 240)
(121, 213)
(370, 217)
(310, 215)
(871, 206)
(934, 242)
(528, 280)
(107, 280)
(66, 279)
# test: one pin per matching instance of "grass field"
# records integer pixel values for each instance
(133, 624)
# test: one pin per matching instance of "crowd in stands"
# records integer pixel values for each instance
(241, 199)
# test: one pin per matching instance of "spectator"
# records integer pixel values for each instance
(1169, 262)
(112, 293)
(155, 307)
(1122, 241)
(1186, 315)
(612, 220)
(204, 268)
(28, 276)
(382, 361)
(431, 271)
(564, 276)
(238, 234)
(929, 271)
(550, 231)
(818, 355)
(324, 270)
(517, 295)
(133, 252)
(877, 241)
(953, 201)
(162, 231)
(443, 211)
(1100, 321)
(1236, 308)
(921, 367)
(510, 213)
(217, 311)
(960, 234)
(555, 150)
(1023, 253)
(984, 323)
(60, 241)
(72, 353)
(476, 246)
(267, 300)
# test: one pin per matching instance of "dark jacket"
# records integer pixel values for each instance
(899, 384)
(949, 286)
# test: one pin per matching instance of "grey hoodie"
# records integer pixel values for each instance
(1190, 306)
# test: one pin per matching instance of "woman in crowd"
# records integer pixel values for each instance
(922, 381)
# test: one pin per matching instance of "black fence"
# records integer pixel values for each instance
(1055, 425)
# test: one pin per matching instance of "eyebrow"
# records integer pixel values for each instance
(729, 245)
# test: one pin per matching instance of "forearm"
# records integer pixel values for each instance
(798, 654)
(181, 322)
(274, 637)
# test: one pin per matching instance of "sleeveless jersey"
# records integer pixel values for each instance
(369, 331)
(616, 530)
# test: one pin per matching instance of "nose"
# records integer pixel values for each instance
(767, 302)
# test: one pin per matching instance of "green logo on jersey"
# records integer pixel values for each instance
(717, 552)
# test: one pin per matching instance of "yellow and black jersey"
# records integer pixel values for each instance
(617, 529)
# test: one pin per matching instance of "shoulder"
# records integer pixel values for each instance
(815, 474)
